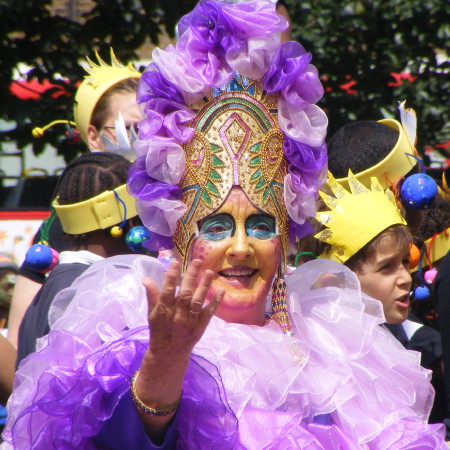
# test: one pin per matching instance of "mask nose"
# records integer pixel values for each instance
(240, 247)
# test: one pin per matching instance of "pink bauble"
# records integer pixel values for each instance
(430, 275)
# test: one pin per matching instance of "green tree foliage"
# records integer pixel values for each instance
(54, 47)
(371, 54)
(374, 53)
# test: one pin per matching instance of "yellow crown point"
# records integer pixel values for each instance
(103, 72)
(355, 217)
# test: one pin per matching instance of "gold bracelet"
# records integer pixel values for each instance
(146, 409)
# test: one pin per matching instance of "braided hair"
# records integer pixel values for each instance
(91, 174)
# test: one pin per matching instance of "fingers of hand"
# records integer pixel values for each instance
(152, 292)
(169, 286)
(198, 299)
(188, 283)
(211, 307)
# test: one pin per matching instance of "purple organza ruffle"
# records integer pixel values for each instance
(154, 85)
(246, 386)
(158, 204)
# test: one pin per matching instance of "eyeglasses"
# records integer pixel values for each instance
(128, 127)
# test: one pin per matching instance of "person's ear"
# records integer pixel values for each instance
(94, 139)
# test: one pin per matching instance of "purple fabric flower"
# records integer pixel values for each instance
(209, 25)
(287, 65)
(307, 125)
(158, 203)
(299, 197)
(166, 118)
(143, 186)
(256, 18)
(305, 89)
(311, 162)
(174, 67)
(164, 159)
(153, 85)
(158, 242)
(255, 56)
(212, 69)
(299, 231)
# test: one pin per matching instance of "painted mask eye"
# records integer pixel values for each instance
(216, 228)
(260, 226)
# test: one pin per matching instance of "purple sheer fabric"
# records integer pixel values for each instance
(341, 379)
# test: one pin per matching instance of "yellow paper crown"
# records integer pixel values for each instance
(101, 77)
(394, 166)
(97, 213)
(355, 217)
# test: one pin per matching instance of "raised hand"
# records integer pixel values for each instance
(177, 320)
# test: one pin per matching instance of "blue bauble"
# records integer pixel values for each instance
(39, 257)
(418, 191)
(421, 293)
(135, 237)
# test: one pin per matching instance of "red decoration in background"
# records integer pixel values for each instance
(32, 89)
(399, 77)
(347, 87)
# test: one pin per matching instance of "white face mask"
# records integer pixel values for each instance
(125, 137)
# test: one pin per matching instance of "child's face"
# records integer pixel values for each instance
(385, 276)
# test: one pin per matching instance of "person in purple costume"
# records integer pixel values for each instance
(230, 157)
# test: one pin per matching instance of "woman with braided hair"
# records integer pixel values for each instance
(223, 349)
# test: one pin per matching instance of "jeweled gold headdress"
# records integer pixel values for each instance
(355, 217)
(237, 142)
(227, 106)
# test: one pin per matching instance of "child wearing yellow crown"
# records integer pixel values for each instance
(364, 230)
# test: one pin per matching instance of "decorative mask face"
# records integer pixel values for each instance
(237, 142)
(239, 244)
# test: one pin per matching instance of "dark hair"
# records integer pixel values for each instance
(359, 146)
(102, 108)
(398, 234)
(90, 175)
(436, 219)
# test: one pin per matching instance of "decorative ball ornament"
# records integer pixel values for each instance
(37, 132)
(430, 275)
(421, 293)
(418, 191)
(116, 231)
(414, 256)
(41, 257)
(136, 237)
(73, 136)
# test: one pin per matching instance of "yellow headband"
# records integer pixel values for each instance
(101, 77)
(396, 164)
(355, 217)
(439, 248)
(96, 213)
